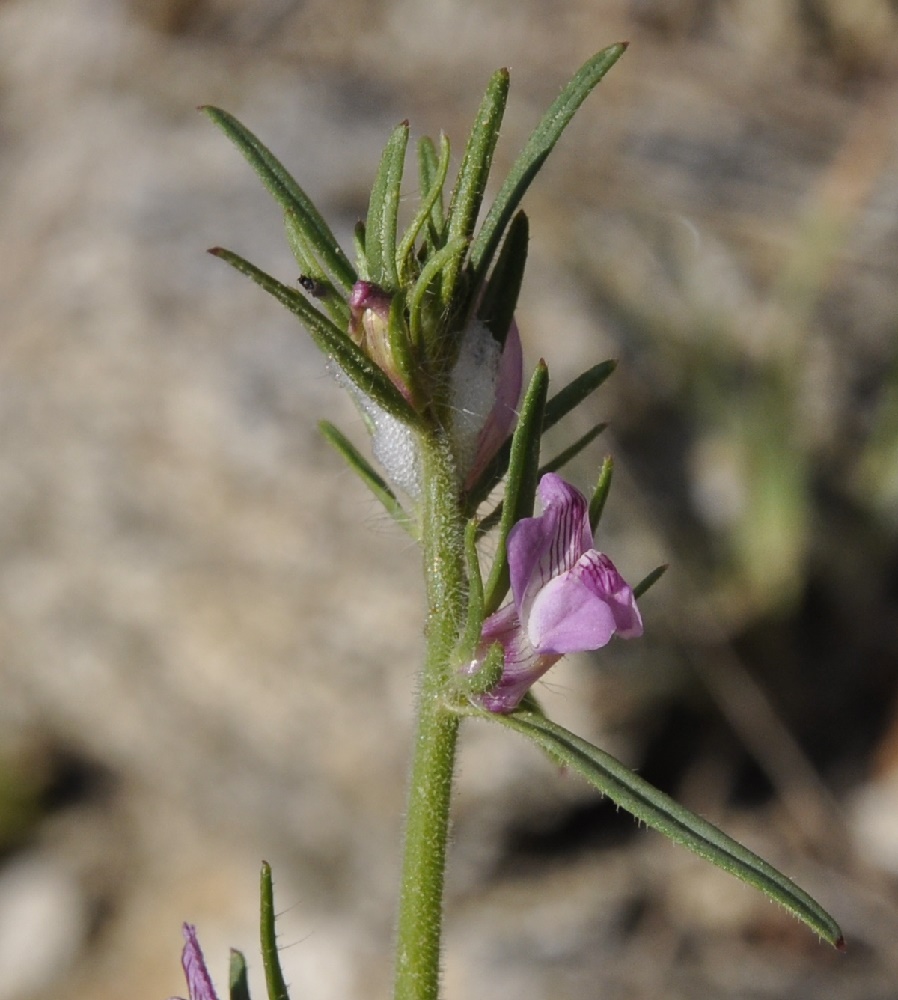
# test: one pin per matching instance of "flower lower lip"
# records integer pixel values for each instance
(566, 596)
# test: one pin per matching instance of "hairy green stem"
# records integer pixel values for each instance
(430, 785)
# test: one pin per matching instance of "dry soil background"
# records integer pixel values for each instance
(208, 634)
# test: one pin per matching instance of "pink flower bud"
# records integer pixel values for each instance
(369, 327)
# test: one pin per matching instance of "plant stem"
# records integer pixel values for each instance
(430, 784)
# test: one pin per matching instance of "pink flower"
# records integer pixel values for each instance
(566, 596)
(199, 983)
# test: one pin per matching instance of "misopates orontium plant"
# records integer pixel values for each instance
(421, 332)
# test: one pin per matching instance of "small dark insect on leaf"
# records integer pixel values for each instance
(317, 289)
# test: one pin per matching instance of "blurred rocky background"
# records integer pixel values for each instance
(209, 633)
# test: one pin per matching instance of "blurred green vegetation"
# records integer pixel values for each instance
(21, 793)
(779, 427)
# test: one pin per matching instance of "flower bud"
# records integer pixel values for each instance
(369, 327)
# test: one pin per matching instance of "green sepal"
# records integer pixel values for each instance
(520, 487)
(331, 340)
(368, 474)
(534, 154)
(431, 201)
(429, 164)
(470, 184)
(572, 451)
(289, 195)
(383, 212)
(649, 581)
(274, 977)
(657, 810)
(600, 493)
(470, 638)
(530, 703)
(573, 394)
(500, 296)
(402, 351)
(472, 686)
(423, 295)
(238, 984)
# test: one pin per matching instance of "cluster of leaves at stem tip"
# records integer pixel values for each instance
(440, 274)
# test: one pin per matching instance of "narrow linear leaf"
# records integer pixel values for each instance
(427, 281)
(474, 622)
(358, 242)
(403, 351)
(657, 810)
(534, 154)
(649, 581)
(274, 977)
(428, 170)
(500, 296)
(470, 184)
(530, 703)
(288, 194)
(520, 489)
(573, 394)
(383, 211)
(300, 246)
(369, 476)
(490, 521)
(600, 493)
(312, 272)
(431, 195)
(331, 340)
(572, 451)
(237, 978)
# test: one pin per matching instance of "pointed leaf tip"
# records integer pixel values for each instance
(659, 811)
(534, 154)
(274, 977)
(321, 242)
(237, 976)
(650, 580)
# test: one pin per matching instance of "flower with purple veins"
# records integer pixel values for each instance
(199, 982)
(566, 596)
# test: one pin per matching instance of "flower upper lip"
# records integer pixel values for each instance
(566, 596)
